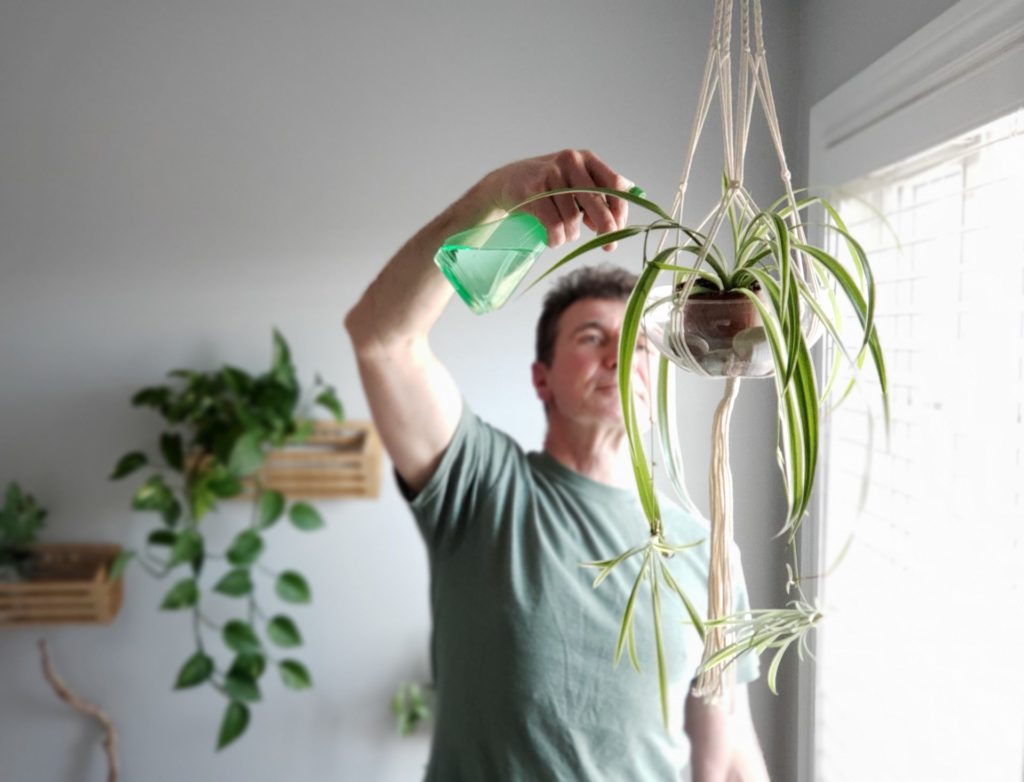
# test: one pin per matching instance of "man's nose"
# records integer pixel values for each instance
(611, 354)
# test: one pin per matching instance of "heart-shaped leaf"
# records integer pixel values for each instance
(241, 687)
(240, 637)
(188, 547)
(295, 675)
(171, 449)
(292, 587)
(128, 464)
(236, 720)
(247, 454)
(305, 516)
(271, 507)
(196, 670)
(183, 594)
(328, 398)
(283, 632)
(246, 548)
(249, 665)
(235, 583)
(154, 494)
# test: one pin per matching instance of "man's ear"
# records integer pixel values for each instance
(540, 381)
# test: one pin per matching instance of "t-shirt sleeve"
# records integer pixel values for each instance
(474, 466)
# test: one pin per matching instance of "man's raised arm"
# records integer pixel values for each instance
(413, 399)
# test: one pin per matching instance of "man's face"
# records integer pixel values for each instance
(582, 382)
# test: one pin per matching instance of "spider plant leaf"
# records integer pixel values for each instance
(704, 250)
(627, 616)
(801, 203)
(765, 642)
(691, 610)
(668, 431)
(857, 254)
(598, 241)
(849, 287)
(674, 548)
(634, 659)
(627, 346)
(789, 311)
(773, 669)
(703, 244)
(753, 237)
(798, 407)
(725, 655)
(752, 260)
(805, 393)
(864, 309)
(659, 644)
(688, 270)
(831, 324)
(609, 564)
(788, 440)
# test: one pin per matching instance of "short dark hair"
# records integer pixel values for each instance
(590, 282)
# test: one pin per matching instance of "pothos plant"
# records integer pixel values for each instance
(795, 288)
(21, 518)
(218, 428)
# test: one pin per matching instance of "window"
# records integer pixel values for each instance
(920, 671)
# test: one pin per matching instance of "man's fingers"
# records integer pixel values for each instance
(594, 205)
(567, 209)
(547, 213)
(562, 214)
(603, 176)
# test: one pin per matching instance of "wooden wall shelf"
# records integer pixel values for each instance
(340, 459)
(68, 583)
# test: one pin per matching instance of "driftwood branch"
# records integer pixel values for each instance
(65, 694)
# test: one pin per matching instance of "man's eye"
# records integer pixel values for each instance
(641, 346)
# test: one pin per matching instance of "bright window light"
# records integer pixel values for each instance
(920, 663)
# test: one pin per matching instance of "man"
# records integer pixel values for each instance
(522, 644)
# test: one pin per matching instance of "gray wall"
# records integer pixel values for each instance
(179, 178)
(840, 39)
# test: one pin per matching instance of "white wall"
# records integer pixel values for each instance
(177, 178)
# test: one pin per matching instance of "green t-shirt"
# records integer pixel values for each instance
(522, 642)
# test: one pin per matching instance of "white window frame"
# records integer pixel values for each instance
(960, 71)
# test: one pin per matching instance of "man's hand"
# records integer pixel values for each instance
(723, 742)
(562, 214)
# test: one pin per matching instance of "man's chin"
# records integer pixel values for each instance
(642, 415)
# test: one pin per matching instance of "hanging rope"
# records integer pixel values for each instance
(710, 683)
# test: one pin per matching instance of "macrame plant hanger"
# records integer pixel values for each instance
(753, 85)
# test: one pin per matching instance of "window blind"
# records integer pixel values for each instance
(920, 665)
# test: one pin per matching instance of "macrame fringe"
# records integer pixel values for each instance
(711, 684)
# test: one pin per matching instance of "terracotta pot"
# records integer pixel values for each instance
(717, 318)
(711, 333)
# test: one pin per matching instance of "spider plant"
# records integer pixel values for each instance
(796, 288)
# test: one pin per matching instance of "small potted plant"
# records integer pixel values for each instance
(51, 583)
(21, 518)
(220, 428)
